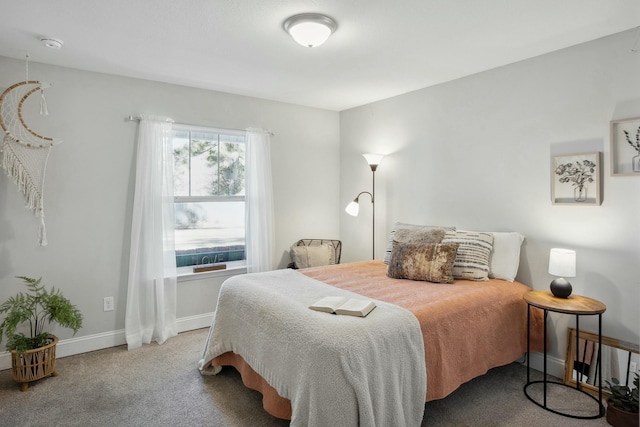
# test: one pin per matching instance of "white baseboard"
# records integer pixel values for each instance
(71, 346)
(555, 366)
(194, 322)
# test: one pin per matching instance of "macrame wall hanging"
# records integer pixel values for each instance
(25, 152)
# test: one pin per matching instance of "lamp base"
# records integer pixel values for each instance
(561, 288)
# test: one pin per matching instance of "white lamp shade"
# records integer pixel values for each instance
(310, 34)
(310, 29)
(562, 262)
(373, 159)
(353, 208)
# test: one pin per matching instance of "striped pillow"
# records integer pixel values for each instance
(472, 259)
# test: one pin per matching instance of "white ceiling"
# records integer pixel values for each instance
(381, 48)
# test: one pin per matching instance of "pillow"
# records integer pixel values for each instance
(472, 260)
(311, 256)
(505, 256)
(401, 226)
(431, 262)
(419, 235)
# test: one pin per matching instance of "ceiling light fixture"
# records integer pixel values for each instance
(52, 43)
(310, 29)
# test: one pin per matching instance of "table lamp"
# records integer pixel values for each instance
(562, 263)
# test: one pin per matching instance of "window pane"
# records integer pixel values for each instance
(180, 163)
(204, 164)
(208, 163)
(208, 232)
(231, 166)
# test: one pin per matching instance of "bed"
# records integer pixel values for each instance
(421, 342)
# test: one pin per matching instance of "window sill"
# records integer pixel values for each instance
(234, 268)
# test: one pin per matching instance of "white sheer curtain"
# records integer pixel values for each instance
(259, 202)
(151, 295)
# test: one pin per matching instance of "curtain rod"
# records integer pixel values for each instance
(138, 118)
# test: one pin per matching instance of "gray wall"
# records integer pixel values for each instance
(475, 153)
(89, 183)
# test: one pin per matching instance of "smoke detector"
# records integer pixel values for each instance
(52, 43)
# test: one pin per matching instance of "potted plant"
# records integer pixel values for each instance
(622, 408)
(33, 356)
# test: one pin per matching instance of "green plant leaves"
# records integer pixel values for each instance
(622, 396)
(22, 343)
(36, 308)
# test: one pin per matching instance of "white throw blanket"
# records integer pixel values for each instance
(336, 370)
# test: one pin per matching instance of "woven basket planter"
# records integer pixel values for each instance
(34, 364)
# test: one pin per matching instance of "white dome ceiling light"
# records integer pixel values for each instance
(52, 43)
(310, 29)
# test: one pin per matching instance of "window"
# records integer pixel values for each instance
(209, 195)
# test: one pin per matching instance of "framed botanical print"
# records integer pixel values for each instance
(625, 147)
(575, 179)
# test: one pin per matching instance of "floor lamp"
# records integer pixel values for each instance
(353, 208)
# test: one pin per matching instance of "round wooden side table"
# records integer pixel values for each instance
(578, 306)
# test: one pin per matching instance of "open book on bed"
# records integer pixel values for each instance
(345, 306)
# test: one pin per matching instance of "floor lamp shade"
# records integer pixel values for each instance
(353, 208)
(373, 160)
(562, 263)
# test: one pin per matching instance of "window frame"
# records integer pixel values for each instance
(186, 273)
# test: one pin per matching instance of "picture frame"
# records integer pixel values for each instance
(575, 179)
(625, 147)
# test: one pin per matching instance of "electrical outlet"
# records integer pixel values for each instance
(108, 303)
(632, 366)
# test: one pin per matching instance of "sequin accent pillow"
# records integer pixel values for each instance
(422, 236)
(426, 262)
(403, 226)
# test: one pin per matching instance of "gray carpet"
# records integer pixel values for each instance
(161, 386)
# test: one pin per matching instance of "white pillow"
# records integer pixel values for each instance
(505, 256)
(311, 256)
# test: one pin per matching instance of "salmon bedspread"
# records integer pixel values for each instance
(468, 327)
